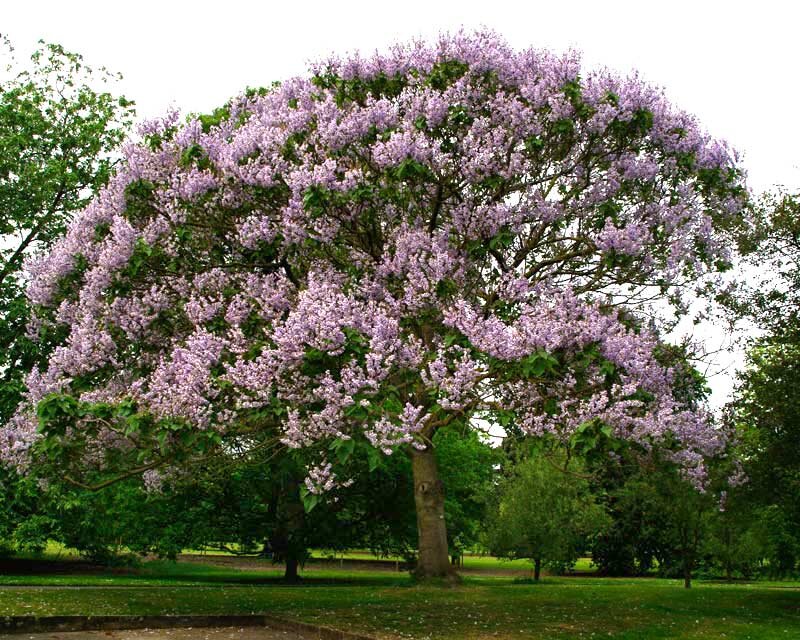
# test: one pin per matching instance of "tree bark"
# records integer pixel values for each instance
(433, 560)
(688, 565)
(290, 574)
(537, 569)
(687, 553)
(287, 540)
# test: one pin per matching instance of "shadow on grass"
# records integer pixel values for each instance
(76, 572)
(47, 566)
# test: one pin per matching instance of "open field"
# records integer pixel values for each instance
(389, 605)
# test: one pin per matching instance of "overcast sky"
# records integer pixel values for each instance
(733, 64)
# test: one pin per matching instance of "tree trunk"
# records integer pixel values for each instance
(287, 541)
(687, 553)
(295, 515)
(728, 553)
(537, 569)
(433, 560)
(290, 574)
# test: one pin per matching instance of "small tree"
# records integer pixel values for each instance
(544, 512)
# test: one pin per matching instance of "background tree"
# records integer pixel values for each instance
(765, 415)
(467, 464)
(737, 538)
(764, 411)
(638, 484)
(445, 233)
(685, 516)
(25, 525)
(543, 512)
(631, 544)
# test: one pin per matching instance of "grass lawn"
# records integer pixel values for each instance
(388, 605)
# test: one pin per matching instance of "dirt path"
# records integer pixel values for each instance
(212, 633)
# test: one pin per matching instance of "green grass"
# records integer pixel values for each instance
(489, 563)
(389, 605)
(164, 573)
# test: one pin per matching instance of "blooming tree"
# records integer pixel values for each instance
(353, 260)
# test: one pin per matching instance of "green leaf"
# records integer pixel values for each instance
(373, 458)
(310, 500)
(161, 438)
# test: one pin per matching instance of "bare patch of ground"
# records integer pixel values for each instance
(210, 633)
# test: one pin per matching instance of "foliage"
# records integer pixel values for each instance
(24, 525)
(244, 505)
(632, 544)
(544, 511)
(765, 413)
(467, 466)
(737, 540)
(660, 521)
(770, 246)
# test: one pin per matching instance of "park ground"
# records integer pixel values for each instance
(494, 600)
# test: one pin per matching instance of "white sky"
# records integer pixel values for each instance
(733, 64)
